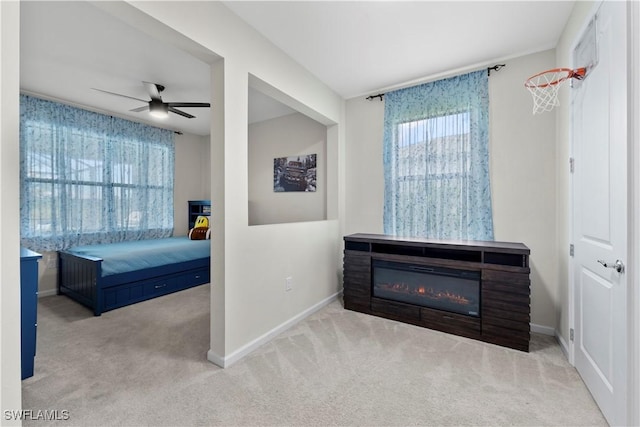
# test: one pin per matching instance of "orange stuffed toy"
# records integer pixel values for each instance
(200, 230)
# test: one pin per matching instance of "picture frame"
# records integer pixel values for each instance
(295, 173)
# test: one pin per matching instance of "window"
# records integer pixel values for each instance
(88, 178)
(436, 160)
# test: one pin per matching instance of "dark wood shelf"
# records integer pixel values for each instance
(197, 208)
(504, 285)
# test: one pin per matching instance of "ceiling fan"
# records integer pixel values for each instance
(156, 106)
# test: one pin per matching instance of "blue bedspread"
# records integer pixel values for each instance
(137, 255)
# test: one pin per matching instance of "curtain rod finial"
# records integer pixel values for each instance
(496, 67)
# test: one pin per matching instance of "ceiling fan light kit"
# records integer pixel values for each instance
(158, 109)
(156, 106)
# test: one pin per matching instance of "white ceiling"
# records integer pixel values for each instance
(360, 47)
(68, 48)
(356, 48)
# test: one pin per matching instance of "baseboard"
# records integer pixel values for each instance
(47, 293)
(215, 359)
(544, 330)
(563, 346)
(225, 362)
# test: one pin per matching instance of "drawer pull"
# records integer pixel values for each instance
(197, 276)
(160, 286)
(448, 318)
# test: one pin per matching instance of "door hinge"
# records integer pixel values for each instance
(571, 164)
(571, 334)
(572, 250)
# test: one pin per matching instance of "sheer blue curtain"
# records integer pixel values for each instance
(89, 178)
(436, 160)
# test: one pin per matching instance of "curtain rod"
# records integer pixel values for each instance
(496, 67)
(92, 109)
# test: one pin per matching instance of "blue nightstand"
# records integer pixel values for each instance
(28, 308)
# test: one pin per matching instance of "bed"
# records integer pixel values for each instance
(109, 276)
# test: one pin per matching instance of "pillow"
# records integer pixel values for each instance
(200, 230)
(200, 233)
(202, 221)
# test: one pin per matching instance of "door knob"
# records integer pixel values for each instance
(617, 266)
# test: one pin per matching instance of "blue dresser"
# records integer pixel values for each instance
(29, 308)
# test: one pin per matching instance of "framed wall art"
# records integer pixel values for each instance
(294, 173)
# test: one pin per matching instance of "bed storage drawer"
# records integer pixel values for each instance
(131, 293)
(187, 279)
(119, 296)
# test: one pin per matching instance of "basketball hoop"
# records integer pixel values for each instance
(544, 86)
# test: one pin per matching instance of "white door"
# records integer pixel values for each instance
(599, 113)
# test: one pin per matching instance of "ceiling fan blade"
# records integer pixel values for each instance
(181, 113)
(154, 91)
(118, 94)
(188, 104)
(139, 109)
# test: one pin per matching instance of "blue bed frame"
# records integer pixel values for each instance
(80, 278)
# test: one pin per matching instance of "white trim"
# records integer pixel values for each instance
(544, 330)
(570, 224)
(630, 223)
(634, 227)
(227, 361)
(563, 346)
(547, 330)
(215, 359)
(455, 72)
(47, 293)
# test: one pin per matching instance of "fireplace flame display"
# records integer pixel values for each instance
(425, 292)
(442, 288)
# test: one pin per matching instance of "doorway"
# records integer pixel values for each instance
(600, 211)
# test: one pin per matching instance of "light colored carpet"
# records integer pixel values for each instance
(146, 365)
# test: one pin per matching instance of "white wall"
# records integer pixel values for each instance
(522, 156)
(364, 174)
(10, 389)
(248, 297)
(205, 166)
(291, 135)
(523, 167)
(248, 300)
(192, 177)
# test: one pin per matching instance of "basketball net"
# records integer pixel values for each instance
(544, 87)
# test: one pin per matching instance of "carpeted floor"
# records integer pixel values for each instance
(146, 365)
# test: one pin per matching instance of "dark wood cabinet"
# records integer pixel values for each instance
(504, 284)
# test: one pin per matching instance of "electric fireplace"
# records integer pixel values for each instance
(448, 289)
(476, 289)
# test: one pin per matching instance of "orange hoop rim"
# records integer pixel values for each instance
(578, 73)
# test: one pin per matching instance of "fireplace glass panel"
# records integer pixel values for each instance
(448, 289)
